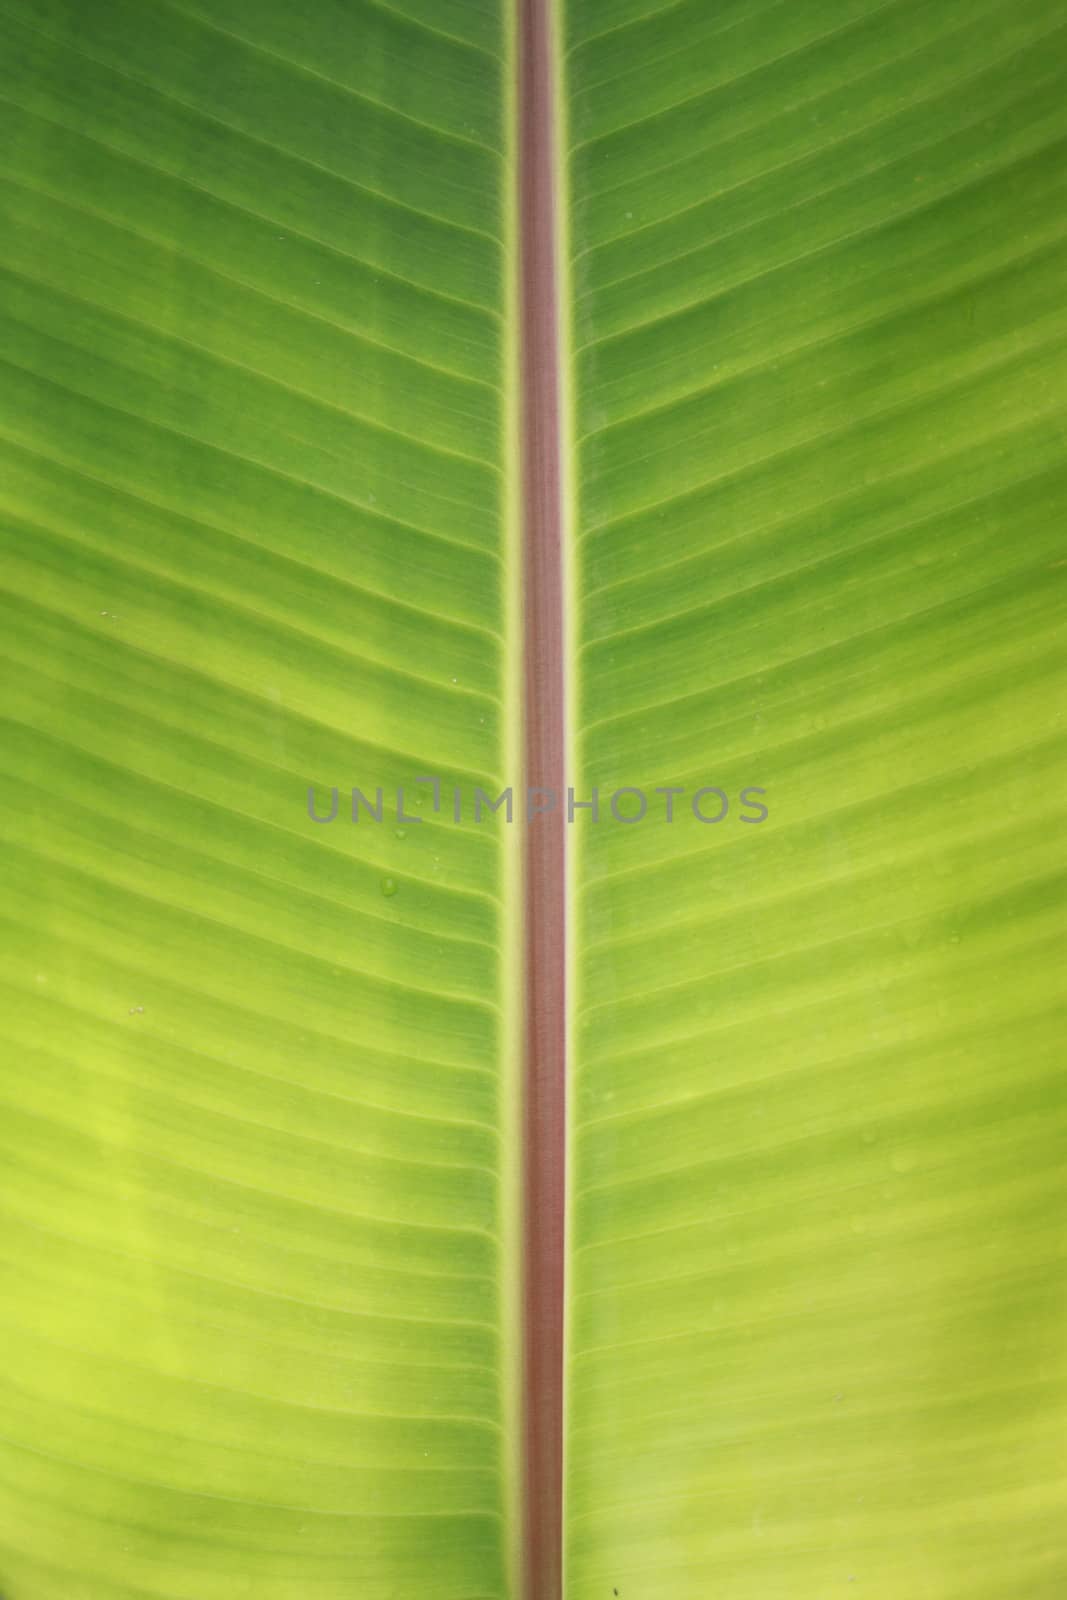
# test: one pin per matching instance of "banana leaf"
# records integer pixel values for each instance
(264, 989)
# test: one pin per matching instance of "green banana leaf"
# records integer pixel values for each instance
(818, 1299)
(260, 1244)
(255, 1226)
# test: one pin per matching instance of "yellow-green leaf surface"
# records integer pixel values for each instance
(817, 1314)
(258, 511)
(252, 429)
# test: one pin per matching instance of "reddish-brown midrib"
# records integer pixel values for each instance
(544, 886)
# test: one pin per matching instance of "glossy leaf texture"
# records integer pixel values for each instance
(253, 516)
(818, 260)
